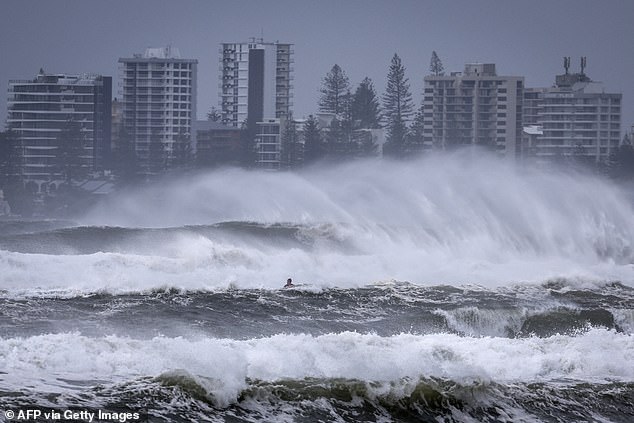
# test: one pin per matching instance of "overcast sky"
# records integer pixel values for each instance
(525, 38)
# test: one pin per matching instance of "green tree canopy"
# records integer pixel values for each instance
(415, 137)
(435, 66)
(334, 92)
(214, 114)
(397, 107)
(313, 140)
(365, 108)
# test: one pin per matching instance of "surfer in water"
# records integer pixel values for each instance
(289, 283)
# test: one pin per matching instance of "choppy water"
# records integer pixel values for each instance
(451, 291)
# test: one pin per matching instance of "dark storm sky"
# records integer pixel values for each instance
(527, 38)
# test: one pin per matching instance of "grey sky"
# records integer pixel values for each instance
(527, 38)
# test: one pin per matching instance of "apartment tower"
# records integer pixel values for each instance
(577, 118)
(42, 108)
(159, 106)
(474, 107)
(255, 81)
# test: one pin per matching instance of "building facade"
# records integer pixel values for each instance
(474, 107)
(42, 109)
(217, 144)
(577, 119)
(268, 143)
(255, 81)
(158, 94)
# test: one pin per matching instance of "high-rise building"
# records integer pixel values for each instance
(576, 117)
(255, 81)
(474, 107)
(159, 105)
(40, 109)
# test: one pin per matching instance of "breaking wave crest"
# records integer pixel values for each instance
(405, 376)
(456, 220)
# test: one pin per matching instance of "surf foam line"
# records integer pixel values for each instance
(223, 366)
(203, 265)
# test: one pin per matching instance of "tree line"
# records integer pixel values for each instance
(354, 112)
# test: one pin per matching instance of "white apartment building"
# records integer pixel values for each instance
(474, 107)
(255, 81)
(577, 118)
(40, 108)
(158, 93)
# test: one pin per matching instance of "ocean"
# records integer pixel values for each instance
(452, 289)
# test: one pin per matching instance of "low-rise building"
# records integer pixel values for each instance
(217, 144)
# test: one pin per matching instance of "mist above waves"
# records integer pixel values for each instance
(464, 200)
(455, 219)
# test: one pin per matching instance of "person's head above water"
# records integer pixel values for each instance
(289, 281)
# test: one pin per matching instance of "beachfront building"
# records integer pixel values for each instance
(255, 81)
(473, 107)
(578, 119)
(217, 144)
(158, 96)
(55, 116)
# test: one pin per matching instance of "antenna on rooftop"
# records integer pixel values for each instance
(566, 63)
(583, 63)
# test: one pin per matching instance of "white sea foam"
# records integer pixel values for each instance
(222, 366)
(451, 220)
(203, 265)
(457, 219)
(465, 204)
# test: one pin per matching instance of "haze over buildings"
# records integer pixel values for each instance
(158, 94)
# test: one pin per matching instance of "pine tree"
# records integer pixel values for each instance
(214, 114)
(397, 106)
(313, 142)
(435, 66)
(334, 92)
(365, 106)
(415, 138)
